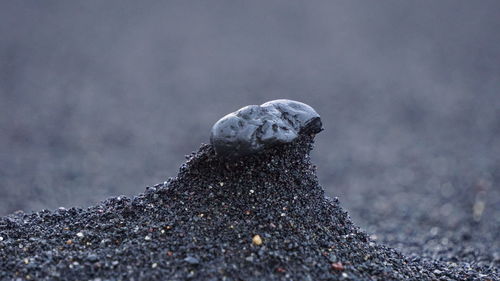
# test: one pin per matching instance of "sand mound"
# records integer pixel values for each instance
(264, 217)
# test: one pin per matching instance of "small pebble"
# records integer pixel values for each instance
(478, 209)
(92, 258)
(280, 270)
(338, 266)
(79, 235)
(257, 240)
(191, 260)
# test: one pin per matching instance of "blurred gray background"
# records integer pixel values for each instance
(102, 98)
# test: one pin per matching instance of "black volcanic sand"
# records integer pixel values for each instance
(200, 226)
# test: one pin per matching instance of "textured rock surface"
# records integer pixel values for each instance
(253, 127)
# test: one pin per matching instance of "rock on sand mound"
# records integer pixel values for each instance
(260, 217)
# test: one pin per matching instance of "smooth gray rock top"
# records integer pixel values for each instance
(256, 127)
